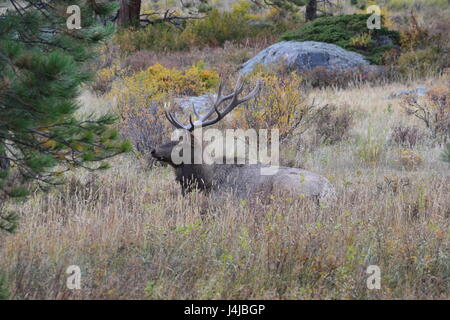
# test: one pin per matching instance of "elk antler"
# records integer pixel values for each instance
(202, 120)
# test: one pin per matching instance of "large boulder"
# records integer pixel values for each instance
(306, 55)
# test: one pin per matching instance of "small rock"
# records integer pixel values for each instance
(201, 103)
(417, 92)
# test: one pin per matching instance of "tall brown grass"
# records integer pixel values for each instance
(134, 236)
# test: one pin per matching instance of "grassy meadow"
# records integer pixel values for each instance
(135, 236)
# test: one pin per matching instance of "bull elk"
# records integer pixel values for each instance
(243, 180)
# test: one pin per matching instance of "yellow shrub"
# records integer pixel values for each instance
(157, 82)
(280, 105)
(139, 100)
(409, 159)
(108, 68)
(104, 78)
(361, 41)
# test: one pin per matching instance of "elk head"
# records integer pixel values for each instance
(164, 152)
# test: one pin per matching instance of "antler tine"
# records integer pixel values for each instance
(219, 92)
(235, 101)
(221, 99)
(167, 114)
(237, 90)
(191, 123)
(213, 109)
(252, 93)
(239, 85)
(235, 96)
(175, 122)
(169, 117)
(195, 111)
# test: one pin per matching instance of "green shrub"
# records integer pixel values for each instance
(348, 32)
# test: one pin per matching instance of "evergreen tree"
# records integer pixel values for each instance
(43, 65)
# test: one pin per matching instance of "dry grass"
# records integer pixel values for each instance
(134, 236)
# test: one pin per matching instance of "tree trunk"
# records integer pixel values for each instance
(311, 10)
(129, 13)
